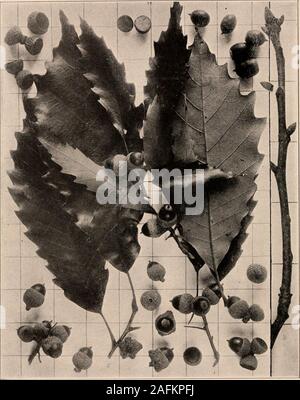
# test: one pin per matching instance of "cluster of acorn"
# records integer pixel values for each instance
(240, 309)
(247, 350)
(38, 24)
(47, 336)
(244, 54)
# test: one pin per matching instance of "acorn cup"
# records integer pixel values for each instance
(14, 67)
(15, 36)
(165, 323)
(83, 359)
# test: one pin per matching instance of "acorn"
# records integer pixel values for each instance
(231, 300)
(240, 52)
(82, 360)
(247, 69)
(142, 24)
(192, 356)
(32, 298)
(239, 309)
(151, 300)
(156, 271)
(200, 305)
(153, 228)
(242, 347)
(52, 346)
(125, 23)
(200, 18)
(183, 303)
(129, 347)
(167, 216)
(257, 273)
(258, 346)
(255, 38)
(14, 36)
(40, 331)
(165, 323)
(228, 24)
(256, 313)
(26, 333)
(212, 297)
(14, 67)
(249, 362)
(38, 22)
(135, 160)
(61, 331)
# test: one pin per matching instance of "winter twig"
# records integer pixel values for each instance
(129, 328)
(272, 29)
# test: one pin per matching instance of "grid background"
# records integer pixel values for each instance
(21, 267)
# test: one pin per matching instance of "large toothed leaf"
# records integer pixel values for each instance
(108, 79)
(215, 124)
(66, 110)
(56, 212)
(165, 86)
(65, 221)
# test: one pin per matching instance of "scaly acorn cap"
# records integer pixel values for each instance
(14, 36)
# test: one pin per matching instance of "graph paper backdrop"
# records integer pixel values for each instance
(21, 267)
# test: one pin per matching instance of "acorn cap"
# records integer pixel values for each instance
(24, 79)
(212, 297)
(125, 23)
(239, 309)
(14, 36)
(249, 362)
(192, 356)
(38, 22)
(256, 313)
(14, 67)
(34, 45)
(258, 346)
(142, 24)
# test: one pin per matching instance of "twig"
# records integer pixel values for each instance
(129, 328)
(210, 338)
(272, 29)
